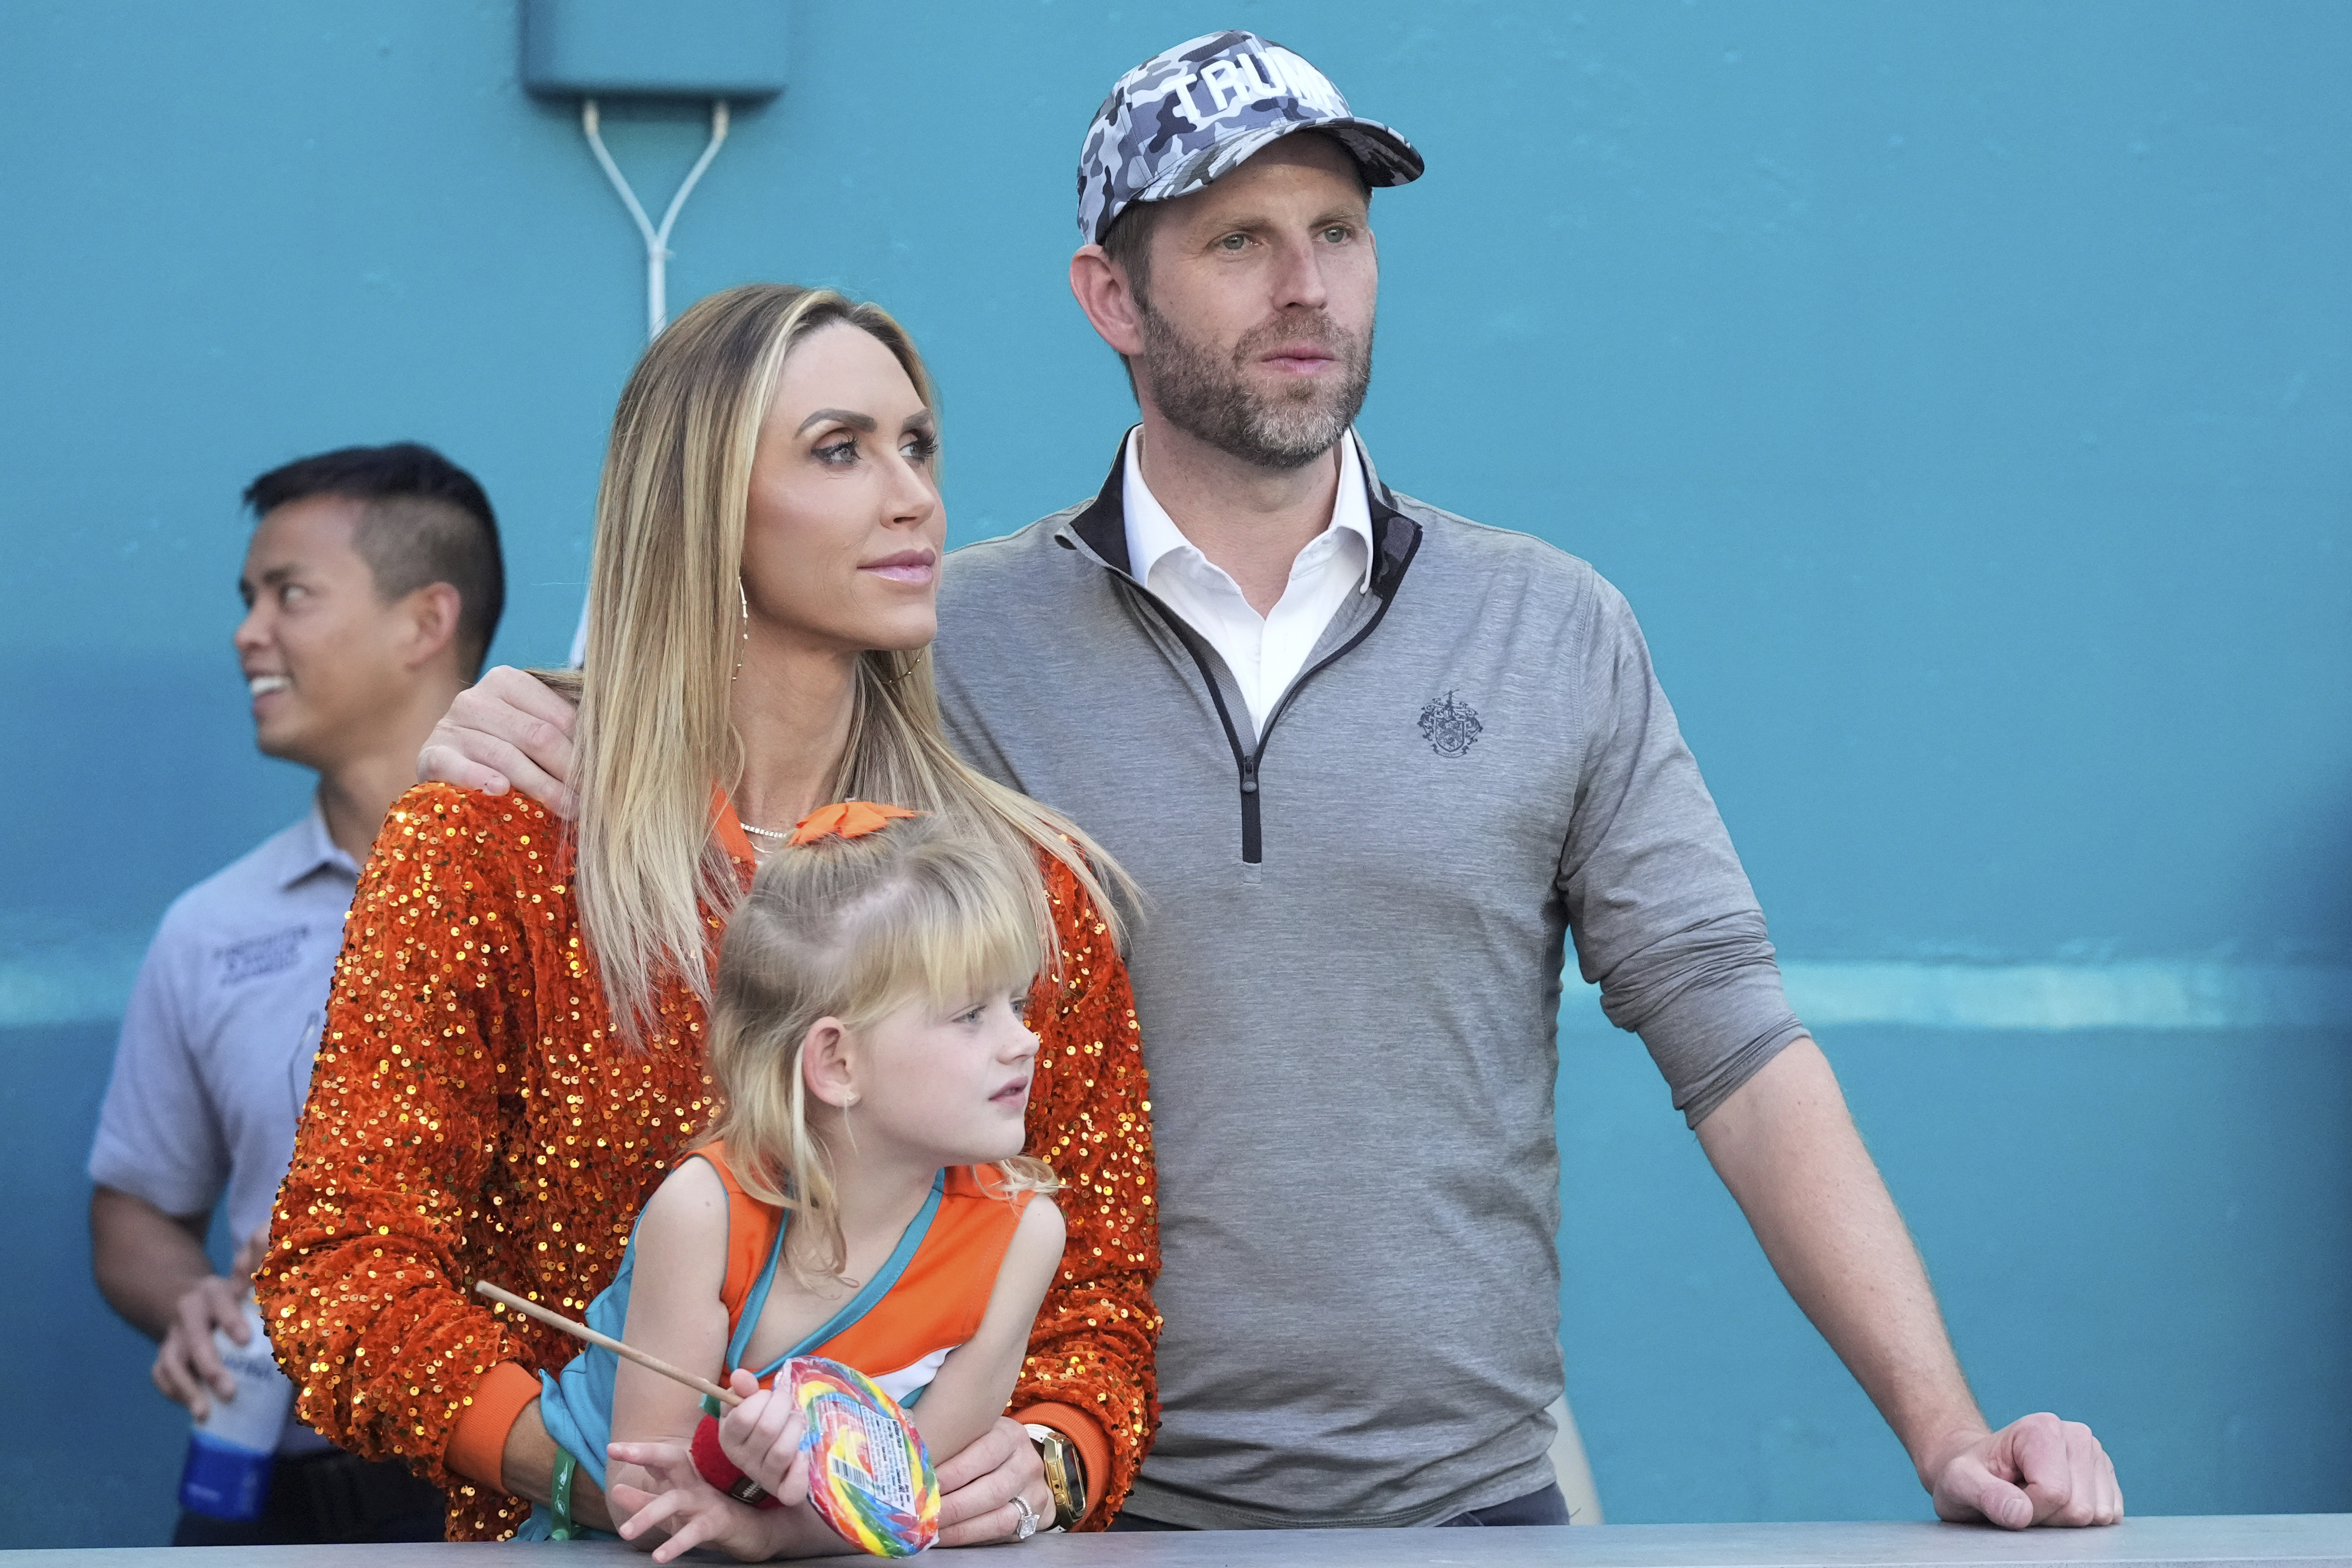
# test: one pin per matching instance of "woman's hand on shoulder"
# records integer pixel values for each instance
(507, 731)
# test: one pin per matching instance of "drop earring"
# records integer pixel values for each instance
(743, 601)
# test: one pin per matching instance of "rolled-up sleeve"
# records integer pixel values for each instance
(1661, 911)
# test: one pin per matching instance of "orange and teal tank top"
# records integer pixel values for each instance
(933, 1304)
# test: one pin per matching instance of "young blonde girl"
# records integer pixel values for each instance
(861, 1196)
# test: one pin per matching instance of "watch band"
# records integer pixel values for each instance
(1065, 1472)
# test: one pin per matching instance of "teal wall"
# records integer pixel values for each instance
(1960, 392)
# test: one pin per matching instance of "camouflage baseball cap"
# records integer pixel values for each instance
(1191, 114)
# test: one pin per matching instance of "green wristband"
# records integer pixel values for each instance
(558, 1502)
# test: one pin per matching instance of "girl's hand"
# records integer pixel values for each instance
(761, 1437)
(689, 1508)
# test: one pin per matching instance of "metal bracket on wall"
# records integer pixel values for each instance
(658, 252)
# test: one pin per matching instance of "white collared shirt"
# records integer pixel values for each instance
(1265, 653)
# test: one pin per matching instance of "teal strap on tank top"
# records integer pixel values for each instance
(857, 1306)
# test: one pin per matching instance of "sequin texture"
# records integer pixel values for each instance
(471, 1115)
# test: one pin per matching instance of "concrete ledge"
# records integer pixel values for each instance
(2238, 1542)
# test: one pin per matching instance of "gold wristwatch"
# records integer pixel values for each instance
(1065, 1473)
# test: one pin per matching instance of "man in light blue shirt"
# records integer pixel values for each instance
(372, 588)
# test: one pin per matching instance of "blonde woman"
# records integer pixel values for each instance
(515, 1046)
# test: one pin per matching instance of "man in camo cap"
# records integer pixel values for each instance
(1374, 765)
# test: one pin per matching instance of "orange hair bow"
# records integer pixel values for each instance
(845, 819)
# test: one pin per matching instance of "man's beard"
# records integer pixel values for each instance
(1207, 397)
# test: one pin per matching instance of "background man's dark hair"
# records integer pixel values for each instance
(426, 520)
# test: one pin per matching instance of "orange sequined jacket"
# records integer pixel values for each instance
(471, 1118)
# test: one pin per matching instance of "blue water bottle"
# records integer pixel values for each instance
(230, 1450)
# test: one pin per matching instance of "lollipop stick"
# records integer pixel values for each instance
(627, 1352)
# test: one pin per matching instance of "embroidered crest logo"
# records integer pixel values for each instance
(1449, 725)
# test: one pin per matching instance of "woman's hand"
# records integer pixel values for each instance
(977, 1488)
(761, 1437)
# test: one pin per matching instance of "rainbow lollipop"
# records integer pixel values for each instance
(868, 1473)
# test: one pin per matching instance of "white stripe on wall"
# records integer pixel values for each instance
(65, 980)
(2071, 996)
(86, 981)
(2132, 995)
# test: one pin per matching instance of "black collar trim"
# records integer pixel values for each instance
(1103, 524)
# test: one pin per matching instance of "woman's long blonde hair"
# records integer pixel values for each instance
(852, 930)
(653, 734)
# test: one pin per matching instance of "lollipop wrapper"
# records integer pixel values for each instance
(870, 1474)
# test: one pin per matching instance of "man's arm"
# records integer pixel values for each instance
(508, 729)
(151, 1268)
(1785, 1145)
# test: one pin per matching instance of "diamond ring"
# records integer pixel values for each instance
(1028, 1525)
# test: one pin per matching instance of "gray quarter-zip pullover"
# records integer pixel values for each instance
(1347, 976)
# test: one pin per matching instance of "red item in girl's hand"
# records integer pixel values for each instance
(711, 1461)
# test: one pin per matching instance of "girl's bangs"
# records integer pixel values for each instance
(951, 947)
